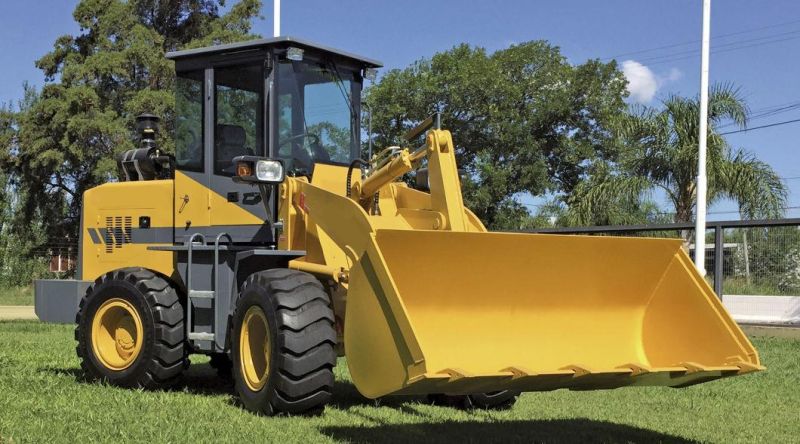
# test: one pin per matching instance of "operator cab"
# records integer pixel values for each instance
(281, 98)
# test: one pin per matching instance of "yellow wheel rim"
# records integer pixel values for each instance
(254, 348)
(117, 334)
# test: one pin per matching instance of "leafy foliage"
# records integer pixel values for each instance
(523, 119)
(67, 136)
(658, 149)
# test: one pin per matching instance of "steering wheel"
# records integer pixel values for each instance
(300, 158)
(314, 139)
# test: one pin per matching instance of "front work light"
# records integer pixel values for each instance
(255, 169)
(270, 171)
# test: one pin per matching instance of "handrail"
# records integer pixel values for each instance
(216, 284)
(189, 281)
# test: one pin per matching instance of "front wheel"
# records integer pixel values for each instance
(283, 343)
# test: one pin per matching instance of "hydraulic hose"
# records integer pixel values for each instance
(353, 164)
(376, 210)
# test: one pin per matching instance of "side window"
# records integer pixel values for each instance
(189, 121)
(239, 121)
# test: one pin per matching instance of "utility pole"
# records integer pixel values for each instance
(702, 183)
(276, 20)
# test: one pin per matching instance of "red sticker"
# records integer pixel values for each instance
(301, 202)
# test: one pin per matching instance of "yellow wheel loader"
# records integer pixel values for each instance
(266, 242)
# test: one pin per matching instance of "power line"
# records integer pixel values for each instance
(689, 42)
(786, 122)
(766, 112)
(731, 45)
(668, 213)
(718, 51)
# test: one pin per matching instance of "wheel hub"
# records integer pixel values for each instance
(117, 334)
(254, 348)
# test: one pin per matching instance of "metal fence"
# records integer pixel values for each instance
(754, 266)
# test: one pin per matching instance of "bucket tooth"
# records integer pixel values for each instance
(746, 367)
(454, 373)
(692, 367)
(591, 379)
(462, 382)
(518, 372)
(636, 369)
(579, 370)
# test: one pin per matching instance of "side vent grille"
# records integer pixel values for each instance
(118, 232)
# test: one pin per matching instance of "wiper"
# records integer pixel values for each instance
(340, 84)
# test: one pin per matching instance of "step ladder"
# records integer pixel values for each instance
(197, 239)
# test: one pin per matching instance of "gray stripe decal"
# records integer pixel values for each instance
(95, 238)
(165, 235)
(152, 235)
(239, 233)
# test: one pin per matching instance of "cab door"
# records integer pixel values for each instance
(191, 192)
(239, 125)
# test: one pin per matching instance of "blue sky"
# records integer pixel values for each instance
(756, 47)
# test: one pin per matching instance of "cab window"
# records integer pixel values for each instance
(189, 121)
(238, 118)
(316, 115)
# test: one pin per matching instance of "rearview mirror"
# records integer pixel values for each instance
(256, 170)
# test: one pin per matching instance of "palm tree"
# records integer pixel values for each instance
(659, 151)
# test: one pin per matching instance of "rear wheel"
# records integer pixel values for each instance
(283, 343)
(500, 400)
(130, 330)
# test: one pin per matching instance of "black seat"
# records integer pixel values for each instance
(230, 143)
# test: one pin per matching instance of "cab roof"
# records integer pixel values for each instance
(275, 42)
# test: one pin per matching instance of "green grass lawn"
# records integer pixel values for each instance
(16, 296)
(42, 399)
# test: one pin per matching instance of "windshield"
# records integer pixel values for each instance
(316, 115)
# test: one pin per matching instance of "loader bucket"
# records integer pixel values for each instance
(459, 313)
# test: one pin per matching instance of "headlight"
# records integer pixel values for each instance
(269, 171)
(254, 169)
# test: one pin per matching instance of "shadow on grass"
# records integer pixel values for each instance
(197, 379)
(73, 372)
(345, 395)
(202, 379)
(559, 430)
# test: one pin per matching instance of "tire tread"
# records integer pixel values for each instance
(303, 380)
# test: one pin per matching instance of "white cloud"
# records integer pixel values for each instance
(643, 83)
(674, 75)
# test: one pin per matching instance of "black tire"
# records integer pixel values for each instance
(302, 343)
(500, 400)
(162, 356)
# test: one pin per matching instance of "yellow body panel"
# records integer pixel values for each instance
(192, 203)
(112, 210)
(196, 205)
(181, 206)
(435, 304)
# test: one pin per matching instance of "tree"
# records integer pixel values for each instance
(523, 119)
(68, 138)
(659, 151)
